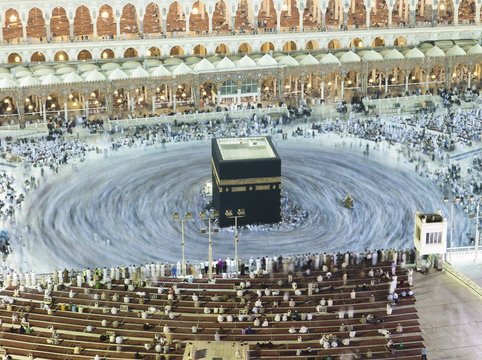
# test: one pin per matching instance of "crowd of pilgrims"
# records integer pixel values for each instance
(434, 135)
(333, 265)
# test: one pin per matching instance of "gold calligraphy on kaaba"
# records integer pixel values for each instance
(246, 181)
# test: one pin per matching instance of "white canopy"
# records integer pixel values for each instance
(160, 71)
(181, 69)
(267, 60)
(72, 78)
(348, 57)
(7, 83)
(117, 74)
(203, 65)
(414, 54)
(289, 61)
(51, 79)
(455, 51)
(28, 81)
(329, 59)
(246, 61)
(225, 63)
(309, 60)
(139, 73)
(94, 75)
(434, 52)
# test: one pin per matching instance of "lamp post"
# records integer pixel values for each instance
(472, 198)
(239, 214)
(186, 217)
(210, 216)
(454, 201)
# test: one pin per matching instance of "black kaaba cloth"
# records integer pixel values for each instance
(246, 175)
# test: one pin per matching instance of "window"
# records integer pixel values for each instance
(433, 238)
(249, 86)
(229, 87)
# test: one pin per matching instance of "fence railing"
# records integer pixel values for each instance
(199, 117)
(464, 280)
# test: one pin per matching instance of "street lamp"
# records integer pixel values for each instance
(454, 201)
(186, 217)
(239, 214)
(209, 216)
(477, 225)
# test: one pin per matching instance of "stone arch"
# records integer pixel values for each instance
(106, 22)
(107, 54)
(37, 57)
(267, 47)
(415, 75)
(36, 24)
(379, 14)
(244, 48)
(184, 95)
(334, 44)
(83, 22)
(357, 43)
(199, 18)
(400, 13)
(208, 94)
(357, 14)
(84, 55)
(400, 41)
(14, 58)
(199, 50)
(176, 51)
(378, 42)
(289, 46)
(176, 18)
(244, 17)
(222, 49)
(460, 75)
(312, 45)
(312, 16)
(59, 24)
(129, 21)
(131, 53)
(334, 15)
(312, 88)
(267, 16)
(291, 88)
(290, 17)
(31, 104)
(12, 26)
(352, 79)
(8, 106)
(61, 56)
(120, 100)
(221, 17)
(153, 51)
(332, 85)
(445, 12)
(52, 102)
(396, 79)
(152, 20)
(467, 10)
(269, 89)
(423, 11)
(375, 79)
(437, 75)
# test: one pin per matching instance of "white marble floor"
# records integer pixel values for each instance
(450, 317)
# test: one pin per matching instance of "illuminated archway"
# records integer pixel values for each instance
(312, 45)
(199, 18)
(199, 50)
(13, 28)
(129, 21)
(357, 43)
(222, 49)
(61, 56)
(378, 42)
(106, 23)
(176, 51)
(107, 54)
(37, 57)
(334, 44)
(152, 20)
(176, 19)
(289, 46)
(84, 55)
(267, 47)
(244, 48)
(130, 53)
(83, 23)
(14, 58)
(36, 24)
(59, 24)
(153, 52)
(267, 16)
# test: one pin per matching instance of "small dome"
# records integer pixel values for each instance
(267, 60)
(289, 61)
(51, 79)
(225, 63)
(94, 75)
(348, 57)
(309, 60)
(475, 50)
(7, 83)
(28, 81)
(203, 65)
(72, 78)
(394, 54)
(181, 69)
(159, 71)
(329, 59)
(455, 51)
(246, 61)
(414, 54)
(117, 74)
(434, 52)
(372, 55)
(138, 73)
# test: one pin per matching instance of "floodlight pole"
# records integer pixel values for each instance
(455, 200)
(240, 214)
(186, 217)
(210, 217)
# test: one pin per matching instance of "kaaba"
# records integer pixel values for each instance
(246, 175)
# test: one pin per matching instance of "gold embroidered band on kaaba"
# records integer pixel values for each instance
(246, 181)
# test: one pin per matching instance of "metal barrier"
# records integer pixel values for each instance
(464, 280)
(463, 250)
(189, 118)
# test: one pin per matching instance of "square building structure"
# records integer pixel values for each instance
(246, 175)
